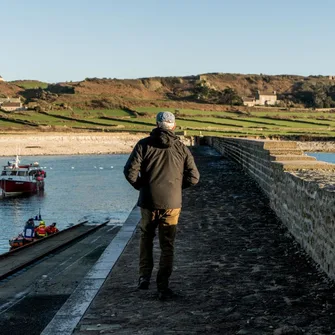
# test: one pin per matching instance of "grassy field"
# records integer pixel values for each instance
(29, 84)
(263, 123)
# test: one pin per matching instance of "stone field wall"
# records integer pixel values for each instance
(301, 190)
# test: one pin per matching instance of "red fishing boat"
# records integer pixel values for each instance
(18, 179)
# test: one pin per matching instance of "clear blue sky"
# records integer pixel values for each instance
(68, 40)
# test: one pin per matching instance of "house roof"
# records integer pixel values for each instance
(267, 93)
(11, 104)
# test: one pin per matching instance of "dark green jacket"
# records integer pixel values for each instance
(159, 167)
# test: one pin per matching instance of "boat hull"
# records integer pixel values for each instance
(15, 187)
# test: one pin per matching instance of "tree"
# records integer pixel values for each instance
(314, 94)
(230, 97)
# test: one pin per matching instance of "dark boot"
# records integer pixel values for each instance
(166, 294)
(143, 283)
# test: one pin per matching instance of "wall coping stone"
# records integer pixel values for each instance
(292, 158)
(324, 179)
(289, 165)
(266, 144)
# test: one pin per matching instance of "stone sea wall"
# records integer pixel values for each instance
(301, 190)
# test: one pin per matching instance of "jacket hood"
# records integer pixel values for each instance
(163, 138)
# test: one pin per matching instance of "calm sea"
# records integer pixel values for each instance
(77, 188)
(323, 156)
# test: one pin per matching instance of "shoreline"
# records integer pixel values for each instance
(40, 144)
(94, 143)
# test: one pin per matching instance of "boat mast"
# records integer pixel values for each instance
(17, 161)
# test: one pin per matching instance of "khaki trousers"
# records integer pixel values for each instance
(166, 220)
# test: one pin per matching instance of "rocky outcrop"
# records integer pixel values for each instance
(317, 146)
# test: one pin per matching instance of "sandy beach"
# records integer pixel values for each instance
(36, 144)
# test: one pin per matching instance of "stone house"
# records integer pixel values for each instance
(1, 79)
(266, 98)
(261, 99)
(249, 101)
(11, 104)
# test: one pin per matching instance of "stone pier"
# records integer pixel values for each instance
(237, 270)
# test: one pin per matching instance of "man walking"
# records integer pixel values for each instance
(160, 166)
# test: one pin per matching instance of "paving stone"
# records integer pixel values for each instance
(237, 270)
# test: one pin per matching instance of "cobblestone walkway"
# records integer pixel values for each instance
(237, 270)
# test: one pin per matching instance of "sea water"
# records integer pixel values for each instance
(323, 156)
(77, 188)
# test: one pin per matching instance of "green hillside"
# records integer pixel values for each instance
(257, 123)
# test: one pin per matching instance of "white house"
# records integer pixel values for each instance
(266, 98)
(11, 104)
(262, 99)
(249, 101)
